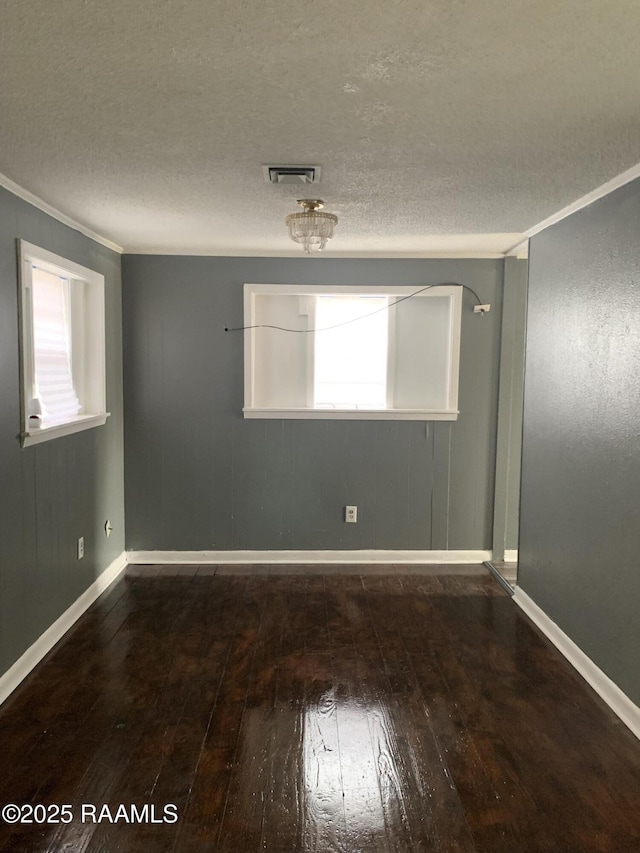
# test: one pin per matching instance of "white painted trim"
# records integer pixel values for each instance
(82, 422)
(520, 250)
(580, 203)
(57, 264)
(285, 557)
(252, 355)
(420, 291)
(239, 253)
(35, 653)
(87, 295)
(34, 200)
(350, 414)
(618, 701)
(511, 555)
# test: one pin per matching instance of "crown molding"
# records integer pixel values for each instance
(36, 201)
(519, 251)
(345, 256)
(582, 202)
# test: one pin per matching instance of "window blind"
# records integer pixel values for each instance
(52, 347)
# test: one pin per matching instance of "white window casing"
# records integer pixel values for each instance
(418, 338)
(62, 346)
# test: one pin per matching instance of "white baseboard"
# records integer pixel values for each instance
(273, 557)
(618, 701)
(34, 654)
(511, 555)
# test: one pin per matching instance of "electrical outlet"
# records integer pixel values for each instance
(351, 514)
(81, 547)
(481, 309)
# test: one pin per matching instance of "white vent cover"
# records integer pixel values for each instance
(291, 174)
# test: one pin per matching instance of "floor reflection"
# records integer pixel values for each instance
(322, 774)
(341, 799)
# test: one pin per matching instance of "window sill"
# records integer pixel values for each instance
(82, 422)
(352, 414)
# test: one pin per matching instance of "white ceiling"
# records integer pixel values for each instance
(442, 126)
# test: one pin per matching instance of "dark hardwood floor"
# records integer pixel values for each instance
(351, 711)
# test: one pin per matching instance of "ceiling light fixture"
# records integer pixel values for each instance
(311, 228)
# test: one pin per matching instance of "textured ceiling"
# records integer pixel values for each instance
(440, 125)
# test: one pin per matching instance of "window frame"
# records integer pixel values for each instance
(308, 413)
(87, 322)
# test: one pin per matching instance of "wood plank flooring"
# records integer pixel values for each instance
(316, 709)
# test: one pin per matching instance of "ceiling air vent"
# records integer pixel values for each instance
(291, 174)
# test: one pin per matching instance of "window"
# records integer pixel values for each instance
(355, 352)
(62, 346)
(350, 358)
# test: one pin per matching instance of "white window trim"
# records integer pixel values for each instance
(28, 255)
(352, 414)
(78, 424)
(255, 412)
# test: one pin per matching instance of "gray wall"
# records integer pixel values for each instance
(54, 492)
(198, 476)
(509, 436)
(579, 528)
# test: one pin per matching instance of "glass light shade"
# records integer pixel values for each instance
(312, 228)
